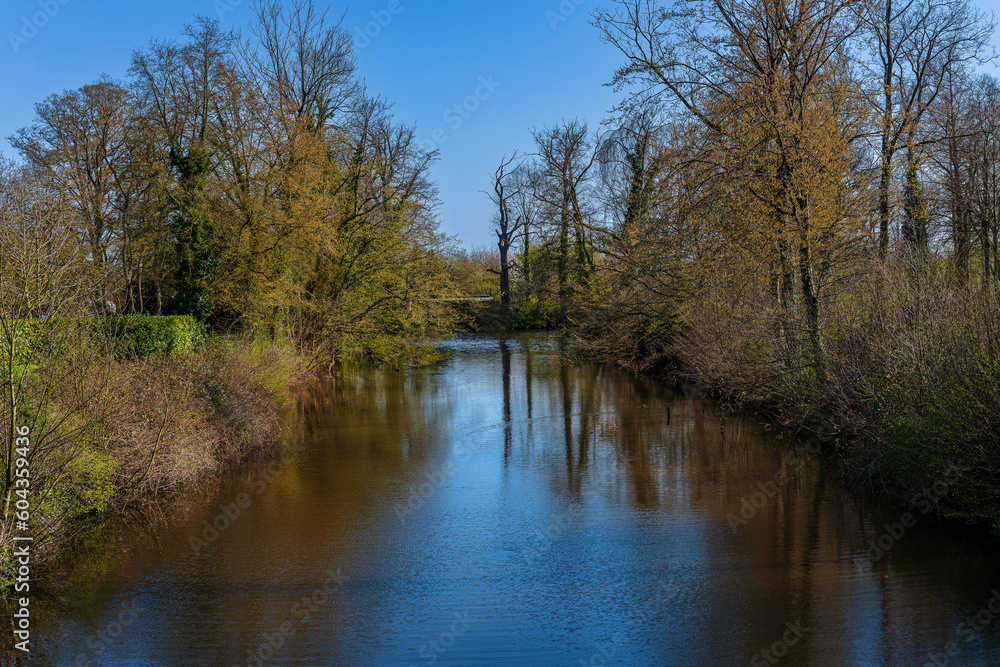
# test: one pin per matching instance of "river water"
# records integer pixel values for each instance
(512, 506)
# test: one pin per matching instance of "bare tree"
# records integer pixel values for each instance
(915, 45)
(306, 61)
(504, 189)
(565, 159)
(93, 146)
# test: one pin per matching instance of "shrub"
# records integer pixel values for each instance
(22, 336)
(531, 314)
(131, 336)
(146, 335)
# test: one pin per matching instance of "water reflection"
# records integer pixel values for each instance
(512, 506)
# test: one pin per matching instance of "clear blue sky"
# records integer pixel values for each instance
(429, 57)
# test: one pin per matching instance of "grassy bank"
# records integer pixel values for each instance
(111, 429)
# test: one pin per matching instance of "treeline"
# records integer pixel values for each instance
(795, 204)
(248, 179)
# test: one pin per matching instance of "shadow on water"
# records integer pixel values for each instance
(514, 506)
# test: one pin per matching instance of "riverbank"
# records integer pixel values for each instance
(905, 395)
(121, 433)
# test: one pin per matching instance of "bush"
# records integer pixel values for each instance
(531, 314)
(138, 336)
(912, 381)
(131, 336)
(23, 334)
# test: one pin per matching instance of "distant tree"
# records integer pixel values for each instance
(915, 45)
(526, 207)
(984, 171)
(504, 189)
(565, 157)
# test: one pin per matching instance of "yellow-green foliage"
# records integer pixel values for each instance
(277, 363)
(84, 485)
(130, 335)
(19, 336)
(146, 335)
(531, 313)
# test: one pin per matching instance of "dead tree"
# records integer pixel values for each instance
(505, 231)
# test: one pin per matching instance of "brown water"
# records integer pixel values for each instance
(509, 507)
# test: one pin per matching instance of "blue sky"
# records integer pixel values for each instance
(531, 62)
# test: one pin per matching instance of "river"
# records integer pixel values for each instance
(514, 506)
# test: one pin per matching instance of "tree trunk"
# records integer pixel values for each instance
(504, 275)
(883, 201)
(563, 263)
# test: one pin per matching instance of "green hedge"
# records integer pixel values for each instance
(130, 335)
(147, 335)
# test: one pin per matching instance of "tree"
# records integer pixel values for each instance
(42, 275)
(771, 80)
(42, 280)
(180, 87)
(94, 148)
(79, 140)
(306, 62)
(632, 160)
(656, 195)
(565, 159)
(985, 170)
(916, 44)
(503, 192)
(525, 204)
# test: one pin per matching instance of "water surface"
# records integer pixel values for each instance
(511, 506)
